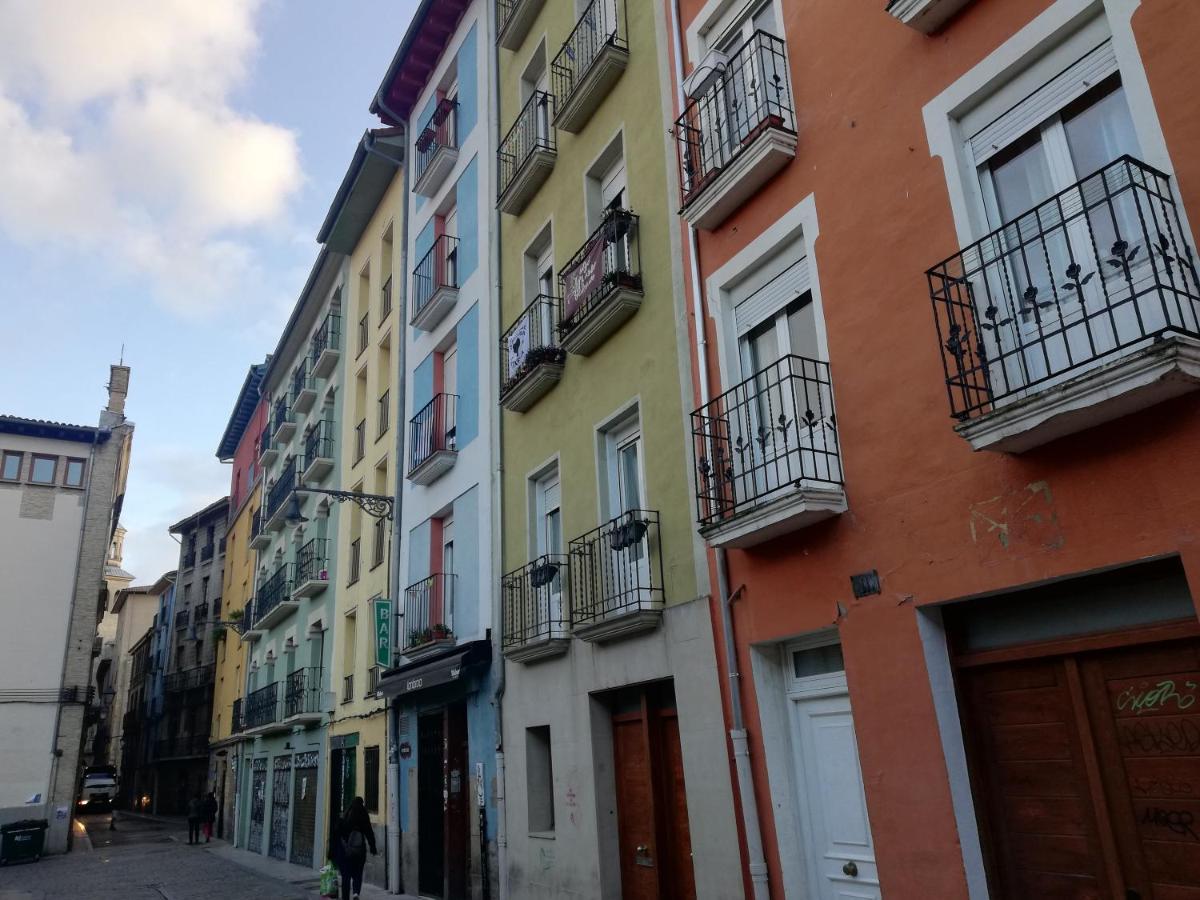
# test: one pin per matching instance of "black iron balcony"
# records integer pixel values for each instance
(201, 614)
(429, 613)
(207, 552)
(736, 131)
(260, 538)
(433, 445)
(189, 559)
(526, 155)
(304, 388)
(772, 439)
(181, 619)
(435, 283)
(302, 694)
(513, 20)
(189, 679)
(601, 285)
(266, 446)
(236, 721)
(312, 568)
(274, 598)
(616, 577)
(283, 421)
(536, 618)
(385, 299)
(531, 361)
(437, 148)
(281, 489)
(318, 450)
(1059, 302)
(262, 706)
(326, 343)
(181, 746)
(591, 60)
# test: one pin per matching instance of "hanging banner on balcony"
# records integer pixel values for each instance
(584, 278)
(383, 633)
(518, 347)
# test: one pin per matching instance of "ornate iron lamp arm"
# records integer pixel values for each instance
(378, 505)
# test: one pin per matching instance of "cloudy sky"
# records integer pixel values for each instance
(164, 168)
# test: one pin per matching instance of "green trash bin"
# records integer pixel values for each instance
(22, 841)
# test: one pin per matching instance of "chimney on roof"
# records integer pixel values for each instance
(118, 388)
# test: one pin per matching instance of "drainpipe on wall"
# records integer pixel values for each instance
(756, 862)
(393, 710)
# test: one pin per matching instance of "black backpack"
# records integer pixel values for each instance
(354, 845)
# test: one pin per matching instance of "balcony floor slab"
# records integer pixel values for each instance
(797, 508)
(618, 626)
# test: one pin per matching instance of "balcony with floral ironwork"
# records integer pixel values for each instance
(591, 60)
(273, 602)
(304, 388)
(429, 615)
(527, 154)
(283, 421)
(318, 451)
(302, 696)
(267, 453)
(263, 710)
(435, 283)
(514, 18)
(537, 622)
(260, 538)
(326, 345)
(436, 148)
(531, 360)
(432, 439)
(601, 285)
(767, 455)
(312, 568)
(616, 578)
(278, 492)
(1080, 311)
(737, 129)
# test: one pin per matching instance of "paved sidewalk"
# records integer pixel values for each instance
(298, 876)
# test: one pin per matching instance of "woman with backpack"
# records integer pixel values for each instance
(352, 837)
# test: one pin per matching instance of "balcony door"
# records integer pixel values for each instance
(448, 418)
(749, 79)
(445, 613)
(1056, 293)
(548, 540)
(629, 585)
(545, 287)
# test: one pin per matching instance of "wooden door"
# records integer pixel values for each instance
(458, 822)
(654, 838)
(430, 811)
(1087, 770)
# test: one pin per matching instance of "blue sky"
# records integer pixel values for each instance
(163, 175)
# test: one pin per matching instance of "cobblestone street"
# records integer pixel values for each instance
(145, 859)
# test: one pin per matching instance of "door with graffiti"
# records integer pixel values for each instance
(258, 804)
(1086, 768)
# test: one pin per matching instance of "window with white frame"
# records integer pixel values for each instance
(606, 184)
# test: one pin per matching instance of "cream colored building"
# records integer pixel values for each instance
(60, 492)
(365, 222)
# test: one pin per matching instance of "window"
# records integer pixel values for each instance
(355, 559)
(384, 413)
(547, 536)
(73, 476)
(44, 469)
(606, 187)
(539, 779)
(364, 332)
(623, 465)
(10, 465)
(371, 778)
(380, 541)
(349, 651)
(760, 19)
(204, 587)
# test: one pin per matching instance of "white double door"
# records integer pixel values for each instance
(839, 850)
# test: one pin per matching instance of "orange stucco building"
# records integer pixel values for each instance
(963, 608)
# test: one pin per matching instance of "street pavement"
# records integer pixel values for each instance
(147, 859)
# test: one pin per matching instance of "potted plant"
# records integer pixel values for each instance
(441, 632)
(236, 615)
(542, 574)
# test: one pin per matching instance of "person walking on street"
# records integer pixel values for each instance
(352, 836)
(210, 815)
(195, 812)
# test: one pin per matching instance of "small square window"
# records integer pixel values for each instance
(44, 469)
(73, 477)
(10, 467)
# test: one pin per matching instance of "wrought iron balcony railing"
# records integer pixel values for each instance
(189, 559)
(610, 258)
(282, 414)
(616, 569)
(312, 561)
(189, 679)
(181, 619)
(529, 342)
(429, 610)
(236, 721)
(765, 436)
(535, 601)
(302, 380)
(1090, 274)
(532, 131)
(601, 25)
(272, 592)
(437, 269)
(385, 299)
(256, 524)
(281, 488)
(326, 337)
(262, 706)
(303, 692)
(318, 442)
(440, 131)
(748, 97)
(432, 429)
(207, 552)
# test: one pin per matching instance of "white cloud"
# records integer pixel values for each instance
(118, 137)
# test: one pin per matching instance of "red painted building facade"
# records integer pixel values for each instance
(963, 606)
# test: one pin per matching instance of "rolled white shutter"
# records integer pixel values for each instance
(771, 297)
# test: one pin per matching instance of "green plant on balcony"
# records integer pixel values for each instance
(535, 357)
(437, 632)
(236, 615)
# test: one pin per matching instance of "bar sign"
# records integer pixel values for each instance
(383, 633)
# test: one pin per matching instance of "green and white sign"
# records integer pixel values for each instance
(383, 633)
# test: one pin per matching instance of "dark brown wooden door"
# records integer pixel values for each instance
(458, 825)
(1087, 771)
(652, 819)
(431, 847)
